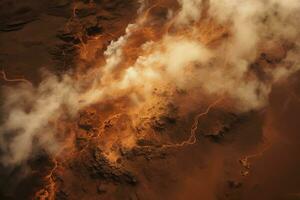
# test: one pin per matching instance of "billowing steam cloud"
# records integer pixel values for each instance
(29, 112)
(230, 48)
(190, 11)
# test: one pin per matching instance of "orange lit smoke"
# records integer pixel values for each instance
(172, 56)
(173, 53)
(198, 55)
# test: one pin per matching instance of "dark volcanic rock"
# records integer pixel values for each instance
(144, 142)
(93, 30)
(234, 184)
(64, 54)
(88, 120)
(61, 195)
(101, 189)
(84, 12)
(161, 123)
(68, 37)
(217, 124)
(103, 169)
(148, 152)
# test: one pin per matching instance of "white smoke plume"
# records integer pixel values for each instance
(238, 49)
(28, 114)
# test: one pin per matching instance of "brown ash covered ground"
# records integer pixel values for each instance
(60, 36)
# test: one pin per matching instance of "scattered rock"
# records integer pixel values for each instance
(245, 163)
(101, 189)
(61, 195)
(85, 12)
(88, 120)
(93, 30)
(144, 142)
(68, 37)
(148, 152)
(217, 125)
(102, 168)
(244, 172)
(234, 184)
(161, 123)
(64, 54)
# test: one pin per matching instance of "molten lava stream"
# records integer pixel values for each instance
(4, 76)
(192, 139)
(48, 192)
(246, 164)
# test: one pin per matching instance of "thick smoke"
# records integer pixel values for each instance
(190, 11)
(29, 112)
(219, 48)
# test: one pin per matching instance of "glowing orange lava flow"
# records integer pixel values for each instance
(15, 79)
(48, 192)
(193, 139)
